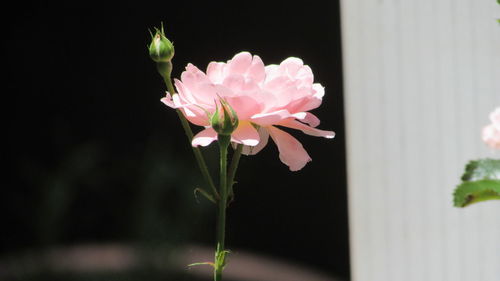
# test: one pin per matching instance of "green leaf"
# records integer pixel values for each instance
(204, 193)
(482, 169)
(480, 182)
(476, 191)
(220, 258)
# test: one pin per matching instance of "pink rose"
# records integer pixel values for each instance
(491, 133)
(262, 96)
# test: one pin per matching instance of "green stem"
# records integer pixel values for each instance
(232, 170)
(165, 69)
(197, 154)
(220, 254)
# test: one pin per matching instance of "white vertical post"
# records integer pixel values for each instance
(420, 80)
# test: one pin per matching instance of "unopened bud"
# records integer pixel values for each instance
(161, 49)
(226, 122)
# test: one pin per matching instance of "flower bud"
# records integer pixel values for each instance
(226, 122)
(161, 49)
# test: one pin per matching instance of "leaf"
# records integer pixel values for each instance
(204, 193)
(220, 258)
(480, 182)
(482, 169)
(202, 263)
(470, 192)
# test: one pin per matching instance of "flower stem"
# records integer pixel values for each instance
(232, 170)
(165, 73)
(220, 254)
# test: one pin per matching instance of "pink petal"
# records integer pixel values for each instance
(491, 136)
(307, 130)
(264, 138)
(272, 71)
(319, 90)
(292, 153)
(204, 138)
(240, 63)
(192, 76)
(245, 134)
(223, 91)
(283, 95)
(266, 119)
(195, 115)
(215, 72)
(245, 106)
(276, 83)
(291, 66)
(192, 112)
(240, 85)
(198, 85)
(184, 92)
(234, 82)
(307, 118)
(168, 101)
(305, 75)
(308, 102)
(257, 70)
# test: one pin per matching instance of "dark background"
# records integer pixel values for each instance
(92, 155)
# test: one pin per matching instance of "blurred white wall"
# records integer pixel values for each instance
(420, 79)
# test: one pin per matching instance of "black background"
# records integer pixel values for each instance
(93, 155)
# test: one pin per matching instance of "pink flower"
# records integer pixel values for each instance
(262, 96)
(491, 133)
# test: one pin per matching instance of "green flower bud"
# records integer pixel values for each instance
(226, 122)
(161, 49)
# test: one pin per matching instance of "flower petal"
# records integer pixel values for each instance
(245, 106)
(307, 118)
(204, 137)
(292, 153)
(305, 75)
(495, 118)
(264, 138)
(215, 71)
(240, 63)
(308, 102)
(266, 119)
(306, 129)
(256, 70)
(245, 134)
(193, 113)
(234, 82)
(291, 66)
(184, 92)
(197, 85)
(168, 101)
(491, 136)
